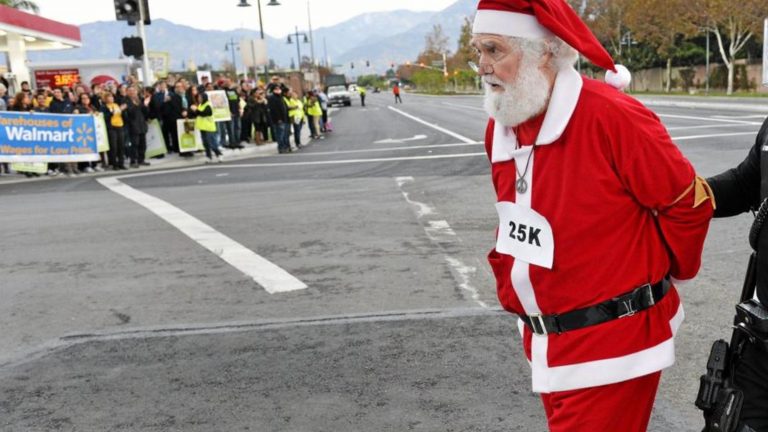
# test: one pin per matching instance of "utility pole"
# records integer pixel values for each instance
(325, 54)
(143, 36)
(707, 70)
(311, 38)
(232, 45)
(298, 50)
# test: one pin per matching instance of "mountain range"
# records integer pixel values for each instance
(380, 38)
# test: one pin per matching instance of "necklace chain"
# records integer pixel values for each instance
(521, 184)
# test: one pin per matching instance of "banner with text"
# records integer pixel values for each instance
(36, 137)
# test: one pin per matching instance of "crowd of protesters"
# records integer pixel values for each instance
(259, 112)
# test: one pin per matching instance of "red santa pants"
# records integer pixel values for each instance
(620, 407)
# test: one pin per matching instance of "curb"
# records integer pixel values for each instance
(169, 162)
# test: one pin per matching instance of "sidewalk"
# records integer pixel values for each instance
(169, 162)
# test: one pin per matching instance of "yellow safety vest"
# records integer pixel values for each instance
(315, 109)
(207, 124)
(298, 113)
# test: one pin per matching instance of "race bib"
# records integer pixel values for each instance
(525, 234)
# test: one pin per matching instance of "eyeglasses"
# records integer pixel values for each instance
(494, 52)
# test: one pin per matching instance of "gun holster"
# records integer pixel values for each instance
(719, 400)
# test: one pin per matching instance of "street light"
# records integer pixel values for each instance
(244, 3)
(298, 45)
(234, 47)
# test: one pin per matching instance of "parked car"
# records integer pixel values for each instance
(339, 95)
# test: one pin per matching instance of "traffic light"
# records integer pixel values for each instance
(367, 63)
(147, 19)
(133, 46)
(128, 10)
(352, 65)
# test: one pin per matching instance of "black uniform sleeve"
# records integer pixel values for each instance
(738, 189)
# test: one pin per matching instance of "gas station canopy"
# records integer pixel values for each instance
(21, 32)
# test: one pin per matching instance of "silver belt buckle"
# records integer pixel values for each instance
(538, 319)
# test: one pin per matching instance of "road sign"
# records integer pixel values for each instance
(254, 52)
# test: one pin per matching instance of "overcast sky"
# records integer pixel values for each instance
(225, 15)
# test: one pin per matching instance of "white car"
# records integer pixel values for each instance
(339, 95)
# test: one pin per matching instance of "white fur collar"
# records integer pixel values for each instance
(565, 95)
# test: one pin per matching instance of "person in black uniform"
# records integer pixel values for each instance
(736, 191)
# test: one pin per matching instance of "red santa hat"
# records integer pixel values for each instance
(537, 19)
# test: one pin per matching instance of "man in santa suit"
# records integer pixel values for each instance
(600, 215)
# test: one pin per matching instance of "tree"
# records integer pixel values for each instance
(607, 20)
(436, 44)
(22, 5)
(733, 25)
(429, 80)
(464, 53)
(661, 24)
(371, 81)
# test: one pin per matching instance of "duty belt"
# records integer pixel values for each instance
(622, 306)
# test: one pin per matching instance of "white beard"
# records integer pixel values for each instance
(521, 100)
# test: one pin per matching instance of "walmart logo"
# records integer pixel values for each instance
(84, 135)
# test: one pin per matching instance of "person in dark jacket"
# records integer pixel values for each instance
(136, 114)
(259, 112)
(176, 108)
(113, 117)
(278, 112)
(60, 104)
(737, 191)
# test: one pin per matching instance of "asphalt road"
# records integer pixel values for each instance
(132, 314)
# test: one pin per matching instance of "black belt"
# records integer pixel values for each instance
(618, 307)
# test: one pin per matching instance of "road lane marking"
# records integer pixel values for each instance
(360, 161)
(434, 126)
(439, 231)
(679, 128)
(421, 209)
(464, 272)
(379, 150)
(290, 164)
(754, 116)
(691, 137)
(708, 119)
(402, 140)
(471, 107)
(271, 277)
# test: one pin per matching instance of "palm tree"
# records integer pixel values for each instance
(21, 4)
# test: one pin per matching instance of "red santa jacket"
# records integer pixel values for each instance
(622, 208)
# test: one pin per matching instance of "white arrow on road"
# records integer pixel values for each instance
(402, 140)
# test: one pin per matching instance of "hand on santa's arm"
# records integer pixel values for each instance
(662, 180)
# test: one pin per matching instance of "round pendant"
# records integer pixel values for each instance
(521, 185)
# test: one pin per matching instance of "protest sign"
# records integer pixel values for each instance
(32, 168)
(38, 137)
(189, 137)
(102, 138)
(220, 105)
(155, 140)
